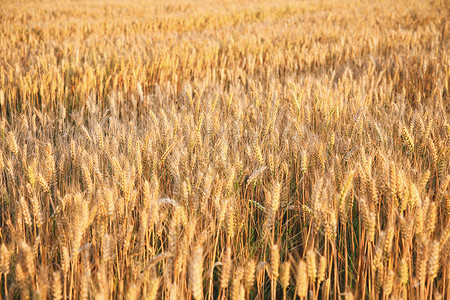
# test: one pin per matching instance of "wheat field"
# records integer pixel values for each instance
(224, 149)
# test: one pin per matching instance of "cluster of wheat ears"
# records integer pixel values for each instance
(195, 149)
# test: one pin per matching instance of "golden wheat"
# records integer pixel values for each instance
(243, 149)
